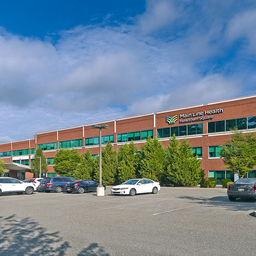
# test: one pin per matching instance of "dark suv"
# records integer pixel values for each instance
(56, 184)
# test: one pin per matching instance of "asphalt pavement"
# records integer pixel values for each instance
(175, 221)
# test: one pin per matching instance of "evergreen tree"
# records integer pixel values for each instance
(183, 169)
(86, 168)
(152, 160)
(126, 162)
(66, 161)
(109, 164)
(35, 166)
(239, 154)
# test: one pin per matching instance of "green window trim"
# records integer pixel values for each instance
(5, 154)
(48, 146)
(243, 123)
(20, 152)
(71, 143)
(214, 151)
(95, 140)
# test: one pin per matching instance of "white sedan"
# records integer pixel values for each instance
(136, 186)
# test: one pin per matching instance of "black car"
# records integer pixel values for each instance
(82, 186)
(56, 184)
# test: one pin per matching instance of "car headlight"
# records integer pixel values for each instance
(123, 188)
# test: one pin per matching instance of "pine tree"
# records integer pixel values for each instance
(126, 162)
(86, 168)
(183, 169)
(152, 160)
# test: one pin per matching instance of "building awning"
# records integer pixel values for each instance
(16, 167)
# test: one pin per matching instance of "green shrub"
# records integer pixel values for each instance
(209, 183)
(224, 182)
(229, 183)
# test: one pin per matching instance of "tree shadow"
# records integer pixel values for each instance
(24, 237)
(240, 204)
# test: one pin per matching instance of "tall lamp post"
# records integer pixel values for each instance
(100, 188)
(40, 165)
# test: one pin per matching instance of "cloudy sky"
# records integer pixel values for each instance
(66, 63)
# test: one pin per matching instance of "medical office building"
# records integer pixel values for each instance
(206, 127)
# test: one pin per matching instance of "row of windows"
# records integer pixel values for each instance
(6, 153)
(22, 161)
(141, 135)
(20, 152)
(48, 146)
(71, 143)
(95, 140)
(182, 130)
(227, 125)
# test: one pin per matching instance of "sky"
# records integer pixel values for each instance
(68, 63)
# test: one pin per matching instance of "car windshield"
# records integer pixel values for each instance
(245, 181)
(131, 182)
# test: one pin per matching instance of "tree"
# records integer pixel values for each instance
(86, 168)
(2, 167)
(239, 153)
(109, 164)
(35, 166)
(66, 161)
(152, 159)
(126, 162)
(183, 169)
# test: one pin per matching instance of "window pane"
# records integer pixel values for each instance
(175, 130)
(199, 129)
(212, 174)
(90, 142)
(95, 141)
(124, 137)
(211, 127)
(166, 132)
(252, 122)
(130, 136)
(72, 143)
(192, 129)
(242, 123)
(144, 135)
(159, 133)
(119, 137)
(230, 124)
(220, 126)
(150, 133)
(182, 130)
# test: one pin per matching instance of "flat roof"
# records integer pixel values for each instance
(16, 167)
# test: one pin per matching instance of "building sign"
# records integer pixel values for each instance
(195, 116)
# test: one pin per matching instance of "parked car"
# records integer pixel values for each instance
(242, 188)
(136, 186)
(81, 186)
(8, 185)
(56, 184)
(35, 181)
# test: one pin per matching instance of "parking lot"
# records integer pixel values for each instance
(175, 221)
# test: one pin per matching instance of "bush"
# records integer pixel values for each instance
(209, 183)
(224, 182)
(228, 183)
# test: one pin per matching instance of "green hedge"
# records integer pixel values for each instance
(209, 183)
(224, 182)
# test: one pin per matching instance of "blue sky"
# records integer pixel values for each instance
(69, 63)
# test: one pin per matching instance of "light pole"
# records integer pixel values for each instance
(40, 165)
(100, 188)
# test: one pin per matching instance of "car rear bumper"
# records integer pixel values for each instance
(242, 194)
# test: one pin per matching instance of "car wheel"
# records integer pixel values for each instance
(132, 192)
(154, 190)
(80, 190)
(58, 189)
(231, 198)
(29, 190)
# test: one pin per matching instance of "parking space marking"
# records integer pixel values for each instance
(173, 210)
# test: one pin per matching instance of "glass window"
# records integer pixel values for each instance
(192, 129)
(32, 151)
(252, 122)
(197, 152)
(214, 151)
(175, 130)
(211, 127)
(241, 123)
(220, 126)
(230, 124)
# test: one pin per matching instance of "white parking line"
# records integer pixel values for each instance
(178, 209)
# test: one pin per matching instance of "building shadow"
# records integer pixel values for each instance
(25, 237)
(223, 201)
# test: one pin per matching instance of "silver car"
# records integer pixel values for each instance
(242, 188)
